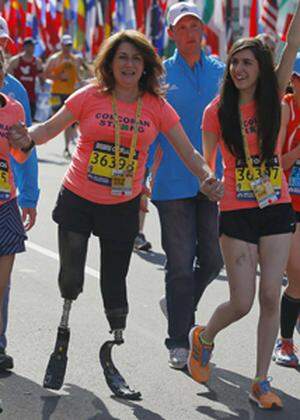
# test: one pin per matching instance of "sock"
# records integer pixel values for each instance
(290, 309)
(259, 379)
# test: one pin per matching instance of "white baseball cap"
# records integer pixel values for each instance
(66, 39)
(4, 32)
(178, 10)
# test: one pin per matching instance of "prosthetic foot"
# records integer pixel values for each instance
(56, 369)
(113, 378)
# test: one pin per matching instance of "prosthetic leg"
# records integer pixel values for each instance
(56, 369)
(115, 381)
(72, 252)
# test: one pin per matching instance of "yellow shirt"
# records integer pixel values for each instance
(68, 68)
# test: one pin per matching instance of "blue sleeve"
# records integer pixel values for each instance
(26, 178)
(25, 174)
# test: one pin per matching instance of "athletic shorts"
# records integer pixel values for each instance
(250, 225)
(297, 213)
(12, 234)
(57, 101)
(108, 221)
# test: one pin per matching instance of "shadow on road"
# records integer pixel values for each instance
(140, 412)
(232, 390)
(152, 257)
(27, 400)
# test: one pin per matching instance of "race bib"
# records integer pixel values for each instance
(294, 179)
(243, 177)
(5, 187)
(102, 163)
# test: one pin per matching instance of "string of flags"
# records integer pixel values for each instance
(89, 22)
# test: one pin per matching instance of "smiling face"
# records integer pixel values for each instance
(244, 71)
(187, 35)
(127, 66)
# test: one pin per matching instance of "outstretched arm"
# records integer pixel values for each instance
(21, 138)
(285, 66)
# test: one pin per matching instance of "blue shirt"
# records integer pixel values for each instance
(189, 92)
(25, 174)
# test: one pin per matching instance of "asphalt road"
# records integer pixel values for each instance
(35, 311)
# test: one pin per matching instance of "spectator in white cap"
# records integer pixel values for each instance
(188, 219)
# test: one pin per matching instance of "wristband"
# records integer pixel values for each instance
(29, 147)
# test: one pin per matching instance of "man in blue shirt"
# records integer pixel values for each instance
(26, 179)
(189, 221)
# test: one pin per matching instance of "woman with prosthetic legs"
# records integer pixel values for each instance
(119, 116)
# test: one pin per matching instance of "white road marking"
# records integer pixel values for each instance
(54, 256)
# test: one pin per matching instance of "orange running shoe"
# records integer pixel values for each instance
(199, 356)
(263, 396)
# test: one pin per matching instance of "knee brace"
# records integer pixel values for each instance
(72, 252)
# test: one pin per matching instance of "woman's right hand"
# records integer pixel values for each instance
(18, 136)
(212, 188)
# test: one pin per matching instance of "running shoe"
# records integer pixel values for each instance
(199, 356)
(263, 396)
(163, 306)
(178, 357)
(141, 243)
(6, 361)
(298, 325)
(284, 353)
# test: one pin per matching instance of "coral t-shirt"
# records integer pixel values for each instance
(238, 193)
(292, 140)
(10, 114)
(90, 172)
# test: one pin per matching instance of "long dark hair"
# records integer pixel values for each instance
(151, 80)
(268, 110)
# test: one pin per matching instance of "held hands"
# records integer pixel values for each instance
(213, 188)
(18, 136)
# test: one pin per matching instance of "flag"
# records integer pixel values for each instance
(253, 25)
(155, 26)
(79, 27)
(214, 18)
(90, 27)
(142, 7)
(269, 16)
(98, 34)
(124, 17)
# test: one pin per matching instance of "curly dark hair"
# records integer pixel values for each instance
(268, 109)
(151, 80)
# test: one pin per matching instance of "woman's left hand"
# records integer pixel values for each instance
(18, 136)
(213, 188)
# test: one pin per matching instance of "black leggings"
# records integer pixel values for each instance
(115, 259)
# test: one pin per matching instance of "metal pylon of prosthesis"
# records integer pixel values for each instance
(113, 378)
(56, 369)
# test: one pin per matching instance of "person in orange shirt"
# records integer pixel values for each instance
(256, 219)
(12, 233)
(119, 116)
(63, 68)
(284, 352)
